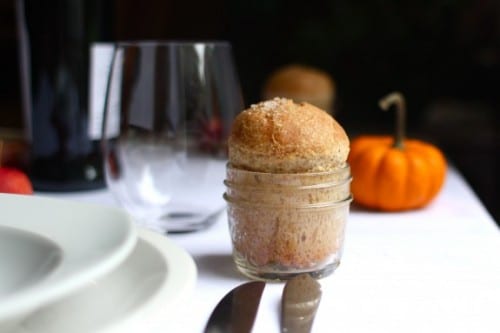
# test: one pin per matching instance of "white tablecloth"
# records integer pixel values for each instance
(431, 270)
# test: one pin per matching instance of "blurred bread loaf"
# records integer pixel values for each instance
(281, 136)
(302, 84)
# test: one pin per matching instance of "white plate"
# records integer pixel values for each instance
(50, 247)
(139, 296)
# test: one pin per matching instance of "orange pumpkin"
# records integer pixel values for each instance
(395, 173)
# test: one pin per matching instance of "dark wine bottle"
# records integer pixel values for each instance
(54, 41)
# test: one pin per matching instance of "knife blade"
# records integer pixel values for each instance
(236, 311)
(299, 303)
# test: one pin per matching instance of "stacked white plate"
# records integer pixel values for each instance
(74, 267)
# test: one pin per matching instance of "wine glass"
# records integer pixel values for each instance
(169, 108)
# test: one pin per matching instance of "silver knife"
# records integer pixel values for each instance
(299, 303)
(236, 312)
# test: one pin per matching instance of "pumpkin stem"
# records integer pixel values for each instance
(398, 100)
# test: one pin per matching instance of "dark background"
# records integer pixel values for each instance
(444, 55)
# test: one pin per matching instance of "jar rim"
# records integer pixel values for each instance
(320, 205)
(303, 174)
(286, 187)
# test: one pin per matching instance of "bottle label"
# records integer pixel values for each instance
(102, 69)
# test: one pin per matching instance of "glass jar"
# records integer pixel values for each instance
(282, 225)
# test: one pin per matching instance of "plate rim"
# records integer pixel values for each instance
(172, 253)
(177, 284)
(53, 288)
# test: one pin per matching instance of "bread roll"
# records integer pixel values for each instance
(280, 136)
(302, 84)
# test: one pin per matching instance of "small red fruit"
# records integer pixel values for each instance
(212, 135)
(14, 181)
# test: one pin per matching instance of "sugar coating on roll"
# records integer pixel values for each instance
(281, 136)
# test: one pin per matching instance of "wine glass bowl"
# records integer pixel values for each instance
(168, 112)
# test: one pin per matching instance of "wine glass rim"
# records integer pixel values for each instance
(147, 43)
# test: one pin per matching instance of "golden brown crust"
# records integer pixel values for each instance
(280, 136)
(302, 84)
